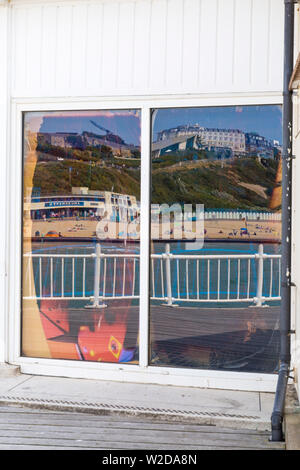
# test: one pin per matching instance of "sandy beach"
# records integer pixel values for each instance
(226, 229)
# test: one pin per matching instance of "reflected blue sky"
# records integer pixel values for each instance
(265, 120)
(125, 124)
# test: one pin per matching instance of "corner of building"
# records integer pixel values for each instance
(292, 419)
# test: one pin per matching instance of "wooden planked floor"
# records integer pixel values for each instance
(30, 429)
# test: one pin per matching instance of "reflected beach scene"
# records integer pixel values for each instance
(215, 237)
(219, 301)
(81, 197)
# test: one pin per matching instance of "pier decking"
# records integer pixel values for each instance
(32, 429)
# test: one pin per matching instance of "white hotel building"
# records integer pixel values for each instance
(230, 138)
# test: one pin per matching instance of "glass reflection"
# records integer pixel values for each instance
(215, 272)
(81, 235)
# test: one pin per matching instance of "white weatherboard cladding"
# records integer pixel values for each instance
(146, 47)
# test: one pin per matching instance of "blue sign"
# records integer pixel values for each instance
(64, 203)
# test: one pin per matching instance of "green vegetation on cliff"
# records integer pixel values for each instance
(244, 183)
(240, 184)
(58, 178)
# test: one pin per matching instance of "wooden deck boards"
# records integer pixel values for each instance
(31, 429)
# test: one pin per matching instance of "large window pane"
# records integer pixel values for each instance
(215, 238)
(81, 205)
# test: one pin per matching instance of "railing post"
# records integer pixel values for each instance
(96, 303)
(168, 275)
(260, 273)
(97, 275)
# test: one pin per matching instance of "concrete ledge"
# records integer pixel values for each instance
(8, 370)
(209, 417)
(292, 419)
(226, 408)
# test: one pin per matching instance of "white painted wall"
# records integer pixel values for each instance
(144, 47)
(296, 253)
(4, 113)
(296, 217)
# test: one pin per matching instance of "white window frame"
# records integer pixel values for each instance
(142, 373)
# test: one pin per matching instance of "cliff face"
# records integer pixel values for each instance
(58, 177)
(245, 183)
(239, 184)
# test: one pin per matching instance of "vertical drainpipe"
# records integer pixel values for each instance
(285, 310)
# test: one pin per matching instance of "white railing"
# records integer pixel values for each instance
(253, 278)
(65, 276)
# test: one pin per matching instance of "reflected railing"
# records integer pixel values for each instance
(253, 278)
